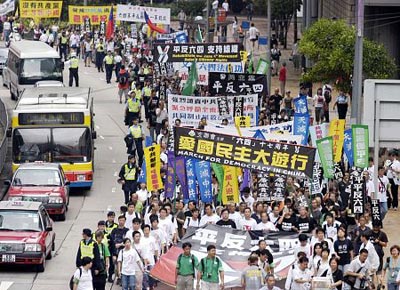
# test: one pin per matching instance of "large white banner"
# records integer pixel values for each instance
(190, 110)
(281, 128)
(203, 68)
(132, 13)
(7, 7)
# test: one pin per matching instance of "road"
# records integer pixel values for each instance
(86, 207)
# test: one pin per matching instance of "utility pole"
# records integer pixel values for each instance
(295, 21)
(358, 64)
(269, 46)
(207, 23)
(85, 2)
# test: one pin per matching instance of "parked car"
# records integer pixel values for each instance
(3, 58)
(41, 182)
(26, 234)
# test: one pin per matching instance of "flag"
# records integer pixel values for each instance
(110, 25)
(152, 26)
(191, 83)
(191, 178)
(203, 176)
(219, 174)
(230, 191)
(250, 68)
(199, 36)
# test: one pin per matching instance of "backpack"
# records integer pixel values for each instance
(71, 281)
(192, 259)
(123, 79)
(203, 266)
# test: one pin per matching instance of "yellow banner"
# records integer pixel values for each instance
(40, 9)
(77, 14)
(153, 167)
(230, 190)
(243, 121)
(336, 130)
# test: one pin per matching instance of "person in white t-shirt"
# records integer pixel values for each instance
(83, 279)
(136, 227)
(128, 264)
(159, 235)
(192, 221)
(148, 245)
(383, 190)
(143, 193)
(225, 5)
(209, 217)
(265, 224)
(301, 276)
(253, 34)
(247, 198)
(166, 224)
(369, 185)
(130, 215)
(247, 223)
(233, 213)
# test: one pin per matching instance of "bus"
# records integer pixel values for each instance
(29, 62)
(55, 125)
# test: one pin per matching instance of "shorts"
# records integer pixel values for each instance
(123, 92)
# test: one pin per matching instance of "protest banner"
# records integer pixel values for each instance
(203, 175)
(191, 178)
(131, 13)
(348, 146)
(318, 132)
(360, 142)
(233, 83)
(316, 181)
(190, 110)
(176, 170)
(233, 248)
(230, 190)
(262, 67)
(301, 124)
(280, 128)
(153, 162)
(7, 7)
(200, 52)
(325, 152)
(40, 9)
(357, 191)
(242, 121)
(243, 152)
(96, 14)
(336, 130)
(376, 212)
(263, 188)
(223, 106)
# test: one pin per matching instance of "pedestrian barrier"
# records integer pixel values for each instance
(4, 126)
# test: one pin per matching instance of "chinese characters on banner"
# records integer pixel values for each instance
(230, 191)
(300, 105)
(376, 212)
(318, 132)
(233, 83)
(132, 13)
(325, 152)
(40, 9)
(190, 110)
(348, 146)
(281, 128)
(263, 189)
(96, 14)
(301, 124)
(247, 153)
(87, 26)
(338, 172)
(201, 52)
(237, 107)
(203, 176)
(336, 130)
(176, 171)
(191, 178)
(279, 187)
(223, 106)
(360, 145)
(315, 184)
(357, 190)
(262, 67)
(153, 162)
(242, 121)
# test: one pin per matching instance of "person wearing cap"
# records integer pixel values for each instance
(138, 136)
(132, 109)
(99, 280)
(110, 222)
(88, 248)
(128, 177)
(73, 64)
(109, 65)
(123, 84)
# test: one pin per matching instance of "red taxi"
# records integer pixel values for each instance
(26, 234)
(42, 182)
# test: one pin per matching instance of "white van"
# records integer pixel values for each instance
(29, 62)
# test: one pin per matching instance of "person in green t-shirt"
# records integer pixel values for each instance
(186, 267)
(211, 271)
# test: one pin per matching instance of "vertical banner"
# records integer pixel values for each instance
(102, 27)
(357, 191)
(376, 212)
(325, 151)
(300, 105)
(238, 107)
(315, 186)
(242, 121)
(87, 26)
(230, 192)
(176, 171)
(246, 179)
(348, 146)
(191, 179)
(262, 67)
(223, 106)
(203, 176)
(279, 187)
(142, 175)
(301, 125)
(263, 189)
(219, 174)
(336, 130)
(338, 175)
(318, 132)
(153, 162)
(360, 145)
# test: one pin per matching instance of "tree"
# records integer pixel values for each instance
(329, 45)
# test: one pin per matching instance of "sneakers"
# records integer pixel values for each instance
(110, 280)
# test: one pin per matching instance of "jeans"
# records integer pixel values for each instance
(392, 286)
(344, 269)
(384, 209)
(128, 282)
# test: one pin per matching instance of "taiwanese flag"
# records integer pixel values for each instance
(152, 26)
(110, 25)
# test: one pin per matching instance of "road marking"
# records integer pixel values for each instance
(116, 173)
(113, 161)
(97, 127)
(102, 137)
(110, 148)
(113, 189)
(4, 285)
(102, 79)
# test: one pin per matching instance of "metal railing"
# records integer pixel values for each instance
(3, 130)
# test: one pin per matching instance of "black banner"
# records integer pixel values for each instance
(87, 26)
(260, 155)
(316, 181)
(376, 212)
(163, 69)
(357, 191)
(162, 91)
(338, 174)
(279, 187)
(102, 27)
(223, 106)
(237, 107)
(200, 52)
(263, 189)
(236, 84)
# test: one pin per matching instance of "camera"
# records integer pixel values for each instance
(362, 283)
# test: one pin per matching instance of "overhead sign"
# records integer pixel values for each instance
(190, 110)
(254, 154)
(96, 14)
(201, 52)
(40, 9)
(7, 7)
(132, 13)
(232, 84)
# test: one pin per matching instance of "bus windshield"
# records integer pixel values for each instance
(35, 69)
(63, 145)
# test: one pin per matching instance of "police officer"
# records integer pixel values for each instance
(138, 136)
(132, 109)
(100, 55)
(128, 177)
(63, 45)
(73, 63)
(109, 64)
(110, 223)
(146, 93)
(88, 248)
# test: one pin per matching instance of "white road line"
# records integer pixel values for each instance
(97, 127)
(116, 173)
(113, 189)
(113, 161)
(110, 147)
(102, 137)
(4, 285)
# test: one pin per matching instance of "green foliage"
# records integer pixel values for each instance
(192, 8)
(329, 44)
